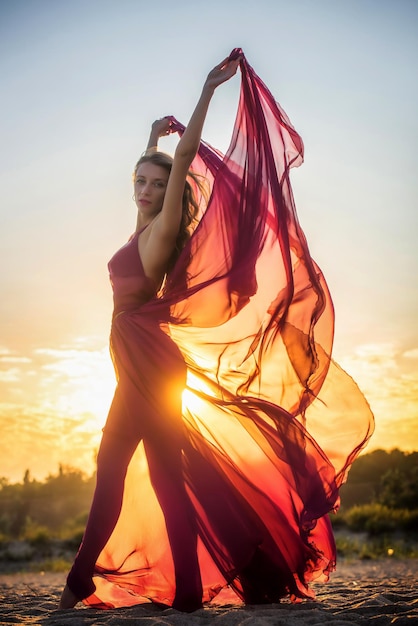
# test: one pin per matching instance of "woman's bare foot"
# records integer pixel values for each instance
(68, 599)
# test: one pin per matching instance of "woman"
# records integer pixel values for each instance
(225, 445)
(161, 214)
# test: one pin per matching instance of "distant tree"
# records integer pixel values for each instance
(381, 478)
(14, 506)
(55, 503)
(377, 476)
(26, 477)
(63, 497)
(399, 488)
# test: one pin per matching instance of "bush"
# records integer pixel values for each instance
(37, 536)
(376, 519)
(52, 565)
(338, 520)
(72, 541)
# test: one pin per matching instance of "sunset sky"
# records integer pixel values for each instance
(81, 83)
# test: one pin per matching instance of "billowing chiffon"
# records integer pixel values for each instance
(241, 336)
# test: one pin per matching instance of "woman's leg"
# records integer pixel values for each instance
(165, 466)
(113, 459)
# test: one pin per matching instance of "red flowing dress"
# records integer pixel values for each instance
(242, 427)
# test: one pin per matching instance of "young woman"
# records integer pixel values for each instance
(226, 441)
(166, 208)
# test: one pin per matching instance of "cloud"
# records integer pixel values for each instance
(390, 384)
(73, 363)
(11, 375)
(40, 441)
(18, 362)
(411, 354)
(15, 359)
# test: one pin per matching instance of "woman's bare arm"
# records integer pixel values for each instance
(157, 245)
(168, 222)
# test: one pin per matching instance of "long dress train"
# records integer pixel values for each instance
(239, 428)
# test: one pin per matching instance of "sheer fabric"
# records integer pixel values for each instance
(247, 428)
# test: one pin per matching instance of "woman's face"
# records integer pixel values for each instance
(150, 185)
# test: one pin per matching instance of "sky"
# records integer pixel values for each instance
(82, 82)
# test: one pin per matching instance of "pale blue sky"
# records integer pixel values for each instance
(83, 80)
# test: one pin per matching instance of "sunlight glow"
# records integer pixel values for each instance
(192, 401)
(82, 382)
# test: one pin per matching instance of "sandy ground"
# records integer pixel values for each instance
(372, 592)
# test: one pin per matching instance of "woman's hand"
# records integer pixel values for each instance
(222, 72)
(189, 142)
(159, 128)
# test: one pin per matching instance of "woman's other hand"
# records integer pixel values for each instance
(162, 126)
(159, 128)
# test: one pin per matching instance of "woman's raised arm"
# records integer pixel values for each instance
(168, 222)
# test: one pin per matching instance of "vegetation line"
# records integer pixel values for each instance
(41, 523)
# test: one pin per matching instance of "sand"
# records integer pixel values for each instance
(370, 592)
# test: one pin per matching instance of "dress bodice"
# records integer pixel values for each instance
(131, 287)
